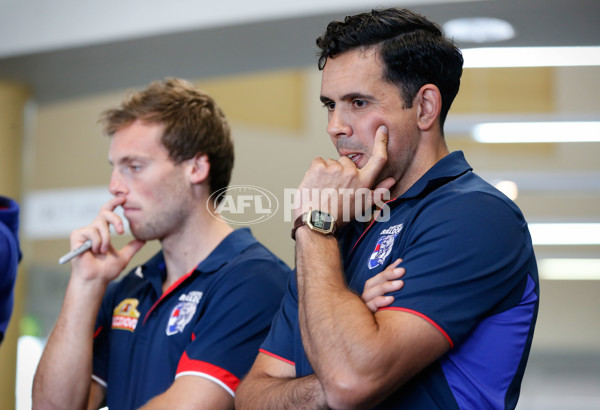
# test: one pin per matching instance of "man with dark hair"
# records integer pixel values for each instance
(184, 328)
(458, 334)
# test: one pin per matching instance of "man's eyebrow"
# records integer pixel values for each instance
(127, 159)
(349, 97)
(357, 96)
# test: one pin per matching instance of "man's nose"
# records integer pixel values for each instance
(116, 186)
(337, 125)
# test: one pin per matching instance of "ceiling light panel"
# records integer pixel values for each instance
(530, 56)
(537, 132)
(478, 29)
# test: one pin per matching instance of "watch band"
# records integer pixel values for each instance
(298, 223)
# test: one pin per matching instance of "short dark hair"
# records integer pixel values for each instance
(193, 124)
(413, 49)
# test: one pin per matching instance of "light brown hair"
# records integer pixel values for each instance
(193, 124)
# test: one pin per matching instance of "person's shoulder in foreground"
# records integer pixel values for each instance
(10, 255)
(471, 286)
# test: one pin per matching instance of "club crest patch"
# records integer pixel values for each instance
(183, 312)
(384, 246)
(126, 315)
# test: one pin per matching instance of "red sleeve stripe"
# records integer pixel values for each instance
(422, 316)
(225, 379)
(277, 357)
(97, 332)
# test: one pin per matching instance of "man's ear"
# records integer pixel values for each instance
(429, 100)
(199, 168)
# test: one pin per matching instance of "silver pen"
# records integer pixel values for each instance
(75, 252)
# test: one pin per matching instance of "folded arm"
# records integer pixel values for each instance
(359, 357)
(272, 383)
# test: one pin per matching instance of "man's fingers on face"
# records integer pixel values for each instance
(106, 218)
(380, 145)
(379, 156)
(113, 203)
(346, 162)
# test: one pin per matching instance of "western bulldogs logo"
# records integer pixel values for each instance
(183, 312)
(382, 250)
(384, 245)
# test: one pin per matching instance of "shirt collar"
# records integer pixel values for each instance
(233, 244)
(446, 169)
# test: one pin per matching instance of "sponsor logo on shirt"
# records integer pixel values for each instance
(392, 230)
(126, 315)
(384, 245)
(183, 312)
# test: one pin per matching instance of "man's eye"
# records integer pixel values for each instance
(359, 103)
(329, 105)
(135, 168)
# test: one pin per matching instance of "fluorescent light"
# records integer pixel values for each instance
(516, 132)
(565, 233)
(478, 29)
(569, 269)
(530, 56)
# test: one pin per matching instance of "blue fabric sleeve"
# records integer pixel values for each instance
(238, 317)
(464, 260)
(8, 272)
(280, 341)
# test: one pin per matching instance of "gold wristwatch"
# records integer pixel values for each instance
(315, 220)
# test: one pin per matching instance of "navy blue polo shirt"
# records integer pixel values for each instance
(470, 272)
(208, 324)
(10, 256)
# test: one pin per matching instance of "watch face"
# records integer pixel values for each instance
(321, 220)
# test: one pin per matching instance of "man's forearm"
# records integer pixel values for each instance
(338, 329)
(63, 375)
(265, 392)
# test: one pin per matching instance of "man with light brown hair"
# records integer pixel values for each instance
(182, 329)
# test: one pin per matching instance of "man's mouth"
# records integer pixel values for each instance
(354, 157)
(128, 210)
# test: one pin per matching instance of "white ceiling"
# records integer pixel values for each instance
(70, 48)
(30, 26)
